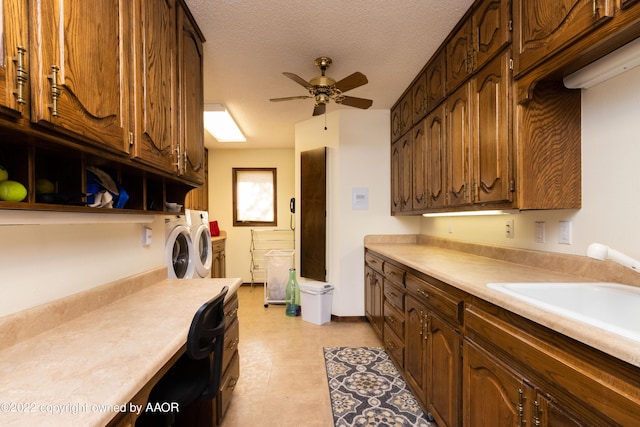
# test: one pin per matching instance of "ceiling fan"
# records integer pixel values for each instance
(324, 88)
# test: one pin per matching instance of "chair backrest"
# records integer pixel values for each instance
(207, 328)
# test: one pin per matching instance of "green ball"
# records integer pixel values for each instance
(4, 174)
(12, 191)
(44, 186)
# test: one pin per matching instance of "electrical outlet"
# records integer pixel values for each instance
(146, 236)
(564, 232)
(508, 228)
(540, 232)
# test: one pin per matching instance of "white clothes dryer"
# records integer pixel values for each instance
(178, 247)
(201, 238)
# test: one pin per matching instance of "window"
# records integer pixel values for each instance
(254, 197)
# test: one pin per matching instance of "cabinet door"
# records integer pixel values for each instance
(492, 132)
(80, 77)
(373, 299)
(419, 161)
(155, 99)
(444, 372)
(491, 30)
(419, 94)
(436, 80)
(542, 27)
(191, 100)
(396, 177)
(492, 394)
(435, 136)
(459, 57)
(402, 116)
(416, 347)
(458, 143)
(14, 64)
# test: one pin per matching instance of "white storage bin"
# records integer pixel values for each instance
(315, 300)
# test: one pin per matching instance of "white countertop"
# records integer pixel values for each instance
(97, 362)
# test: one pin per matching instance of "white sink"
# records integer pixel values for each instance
(610, 306)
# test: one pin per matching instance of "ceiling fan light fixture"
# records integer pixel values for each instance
(220, 124)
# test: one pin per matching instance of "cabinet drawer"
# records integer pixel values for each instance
(394, 346)
(228, 383)
(231, 340)
(394, 319)
(394, 295)
(217, 246)
(445, 304)
(374, 262)
(231, 312)
(393, 273)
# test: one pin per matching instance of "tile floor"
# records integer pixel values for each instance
(282, 373)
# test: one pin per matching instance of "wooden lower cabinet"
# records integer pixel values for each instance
(471, 363)
(218, 257)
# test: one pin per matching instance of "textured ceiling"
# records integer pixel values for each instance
(250, 43)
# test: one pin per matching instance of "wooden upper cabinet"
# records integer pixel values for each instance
(190, 60)
(436, 74)
(458, 147)
(402, 116)
(435, 131)
(491, 25)
(79, 69)
(155, 133)
(459, 57)
(543, 27)
(14, 59)
(492, 134)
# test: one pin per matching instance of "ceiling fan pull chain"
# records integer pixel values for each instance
(325, 119)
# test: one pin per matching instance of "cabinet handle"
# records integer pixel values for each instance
(21, 75)
(427, 327)
(390, 346)
(595, 8)
(391, 320)
(537, 415)
(520, 407)
(232, 383)
(232, 345)
(421, 292)
(232, 314)
(55, 90)
(178, 156)
(421, 322)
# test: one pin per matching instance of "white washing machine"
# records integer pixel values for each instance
(178, 247)
(201, 238)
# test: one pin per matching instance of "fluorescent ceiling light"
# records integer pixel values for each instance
(219, 123)
(617, 62)
(473, 213)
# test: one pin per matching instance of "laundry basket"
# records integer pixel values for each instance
(277, 264)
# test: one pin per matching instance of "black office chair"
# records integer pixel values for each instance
(193, 376)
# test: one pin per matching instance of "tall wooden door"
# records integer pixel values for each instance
(313, 214)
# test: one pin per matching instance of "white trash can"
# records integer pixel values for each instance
(315, 300)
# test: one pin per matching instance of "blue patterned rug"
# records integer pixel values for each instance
(368, 391)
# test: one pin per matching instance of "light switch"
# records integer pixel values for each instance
(360, 198)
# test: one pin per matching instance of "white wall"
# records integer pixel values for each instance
(610, 183)
(358, 156)
(41, 263)
(221, 163)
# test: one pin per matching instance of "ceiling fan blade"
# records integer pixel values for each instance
(355, 102)
(319, 109)
(289, 98)
(299, 80)
(353, 81)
